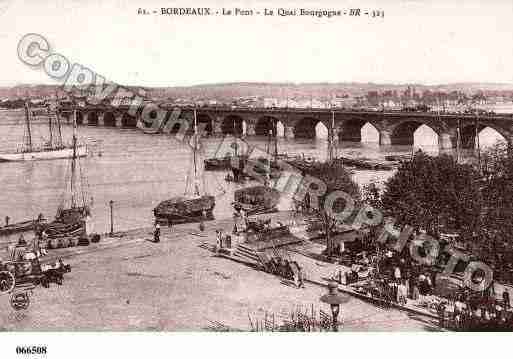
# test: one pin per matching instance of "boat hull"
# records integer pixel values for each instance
(257, 199)
(178, 211)
(20, 227)
(43, 155)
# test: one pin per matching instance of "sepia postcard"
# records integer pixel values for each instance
(241, 173)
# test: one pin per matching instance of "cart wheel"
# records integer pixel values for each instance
(7, 282)
(20, 301)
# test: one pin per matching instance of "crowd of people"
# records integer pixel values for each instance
(467, 312)
(397, 279)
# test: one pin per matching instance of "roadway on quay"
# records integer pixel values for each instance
(128, 283)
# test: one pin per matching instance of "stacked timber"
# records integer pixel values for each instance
(257, 199)
(178, 210)
(398, 158)
(268, 233)
(20, 227)
(224, 163)
(368, 164)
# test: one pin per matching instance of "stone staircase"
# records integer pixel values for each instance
(246, 253)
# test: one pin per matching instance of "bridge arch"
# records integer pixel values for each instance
(266, 124)
(205, 121)
(403, 132)
(486, 130)
(280, 129)
(92, 118)
(356, 129)
(109, 119)
(309, 127)
(128, 121)
(232, 124)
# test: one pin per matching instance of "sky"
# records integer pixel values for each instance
(429, 42)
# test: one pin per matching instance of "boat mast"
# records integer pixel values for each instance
(195, 141)
(275, 129)
(235, 135)
(458, 142)
(74, 158)
(50, 125)
(59, 142)
(28, 139)
(477, 144)
(331, 135)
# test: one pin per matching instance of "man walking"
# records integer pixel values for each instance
(156, 233)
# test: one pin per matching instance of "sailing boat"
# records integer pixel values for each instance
(229, 162)
(193, 206)
(260, 199)
(70, 223)
(53, 149)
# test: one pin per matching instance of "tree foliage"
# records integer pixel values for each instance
(336, 178)
(496, 244)
(434, 194)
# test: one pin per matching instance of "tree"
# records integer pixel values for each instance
(434, 194)
(496, 245)
(336, 178)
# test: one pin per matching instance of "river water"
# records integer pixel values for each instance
(137, 171)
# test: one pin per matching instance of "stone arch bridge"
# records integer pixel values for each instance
(394, 127)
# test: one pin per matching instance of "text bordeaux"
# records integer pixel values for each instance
(193, 11)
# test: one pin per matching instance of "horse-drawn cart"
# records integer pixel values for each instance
(18, 278)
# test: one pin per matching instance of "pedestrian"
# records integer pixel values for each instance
(397, 273)
(415, 290)
(301, 277)
(219, 240)
(295, 273)
(156, 233)
(402, 293)
(429, 284)
(7, 220)
(17, 252)
(505, 299)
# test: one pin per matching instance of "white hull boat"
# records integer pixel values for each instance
(51, 154)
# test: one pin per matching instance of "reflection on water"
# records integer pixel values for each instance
(137, 171)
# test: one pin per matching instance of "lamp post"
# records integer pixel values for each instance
(334, 299)
(111, 205)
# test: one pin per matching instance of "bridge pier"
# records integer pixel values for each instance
(288, 132)
(385, 138)
(85, 118)
(101, 119)
(217, 126)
